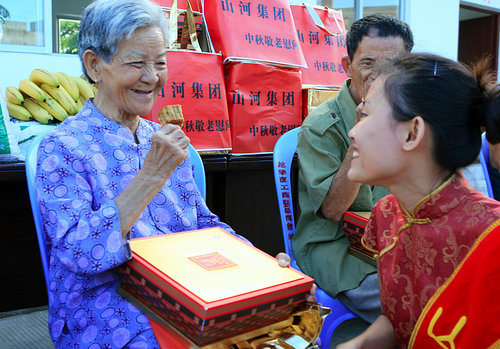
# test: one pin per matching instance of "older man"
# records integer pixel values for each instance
(324, 152)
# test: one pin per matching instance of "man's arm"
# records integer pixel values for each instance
(342, 192)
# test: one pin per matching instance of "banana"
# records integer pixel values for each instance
(39, 114)
(68, 84)
(82, 100)
(42, 76)
(84, 86)
(31, 89)
(94, 88)
(13, 95)
(79, 104)
(18, 112)
(62, 97)
(54, 108)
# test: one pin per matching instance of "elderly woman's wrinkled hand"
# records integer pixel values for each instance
(168, 150)
(284, 261)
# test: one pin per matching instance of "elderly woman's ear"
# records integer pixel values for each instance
(91, 61)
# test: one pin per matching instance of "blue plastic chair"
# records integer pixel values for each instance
(283, 153)
(30, 165)
(484, 158)
(198, 171)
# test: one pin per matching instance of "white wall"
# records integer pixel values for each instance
(435, 26)
(15, 66)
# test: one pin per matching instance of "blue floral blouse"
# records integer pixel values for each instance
(83, 165)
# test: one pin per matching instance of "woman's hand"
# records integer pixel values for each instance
(284, 261)
(168, 150)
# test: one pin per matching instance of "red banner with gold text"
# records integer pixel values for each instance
(196, 82)
(264, 102)
(254, 29)
(322, 38)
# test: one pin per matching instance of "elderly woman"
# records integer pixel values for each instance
(420, 123)
(106, 175)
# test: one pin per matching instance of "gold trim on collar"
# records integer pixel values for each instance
(410, 219)
(434, 192)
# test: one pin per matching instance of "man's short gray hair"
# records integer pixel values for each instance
(105, 23)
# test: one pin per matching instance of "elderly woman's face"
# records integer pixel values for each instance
(131, 83)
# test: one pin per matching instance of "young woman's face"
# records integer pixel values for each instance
(376, 138)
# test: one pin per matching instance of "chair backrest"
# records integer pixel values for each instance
(30, 165)
(484, 158)
(198, 171)
(283, 153)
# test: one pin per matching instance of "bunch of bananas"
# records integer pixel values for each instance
(48, 97)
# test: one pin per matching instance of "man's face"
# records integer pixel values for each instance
(362, 68)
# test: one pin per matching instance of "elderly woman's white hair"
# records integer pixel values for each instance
(105, 23)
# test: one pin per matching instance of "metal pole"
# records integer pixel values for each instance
(358, 9)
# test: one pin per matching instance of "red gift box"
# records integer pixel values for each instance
(354, 224)
(211, 285)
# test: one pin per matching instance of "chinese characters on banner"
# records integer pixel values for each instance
(264, 103)
(254, 29)
(196, 82)
(323, 52)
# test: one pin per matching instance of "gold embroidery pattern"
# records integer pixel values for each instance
(410, 220)
(449, 338)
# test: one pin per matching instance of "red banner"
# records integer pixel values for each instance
(264, 102)
(322, 39)
(181, 4)
(196, 82)
(257, 30)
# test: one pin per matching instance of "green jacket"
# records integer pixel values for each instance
(320, 246)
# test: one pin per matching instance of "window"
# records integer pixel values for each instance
(388, 7)
(26, 25)
(348, 11)
(65, 18)
(67, 35)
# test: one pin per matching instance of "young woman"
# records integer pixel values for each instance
(421, 121)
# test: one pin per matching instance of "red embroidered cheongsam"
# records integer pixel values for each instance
(418, 251)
